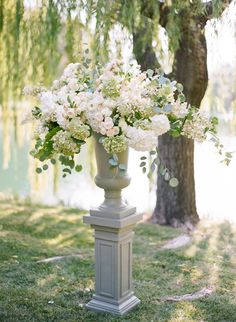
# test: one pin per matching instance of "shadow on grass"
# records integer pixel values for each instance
(57, 291)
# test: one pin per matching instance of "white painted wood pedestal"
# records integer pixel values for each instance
(113, 223)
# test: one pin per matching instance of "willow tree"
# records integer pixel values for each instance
(37, 39)
(184, 23)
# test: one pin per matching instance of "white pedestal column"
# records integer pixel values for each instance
(113, 255)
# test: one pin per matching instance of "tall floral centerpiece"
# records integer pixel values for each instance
(122, 108)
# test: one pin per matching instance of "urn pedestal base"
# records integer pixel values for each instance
(113, 257)
(114, 308)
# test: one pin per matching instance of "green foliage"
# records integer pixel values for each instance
(78, 168)
(35, 38)
(155, 163)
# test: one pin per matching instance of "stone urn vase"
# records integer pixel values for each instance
(113, 222)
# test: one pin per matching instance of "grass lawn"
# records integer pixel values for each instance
(56, 291)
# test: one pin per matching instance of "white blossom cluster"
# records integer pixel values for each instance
(196, 128)
(126, 107)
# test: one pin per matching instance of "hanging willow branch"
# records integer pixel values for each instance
(34, 40)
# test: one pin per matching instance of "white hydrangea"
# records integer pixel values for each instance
(61, 116)
(40, 131)
(160, 124)
(73, 84)
(70, 70)
(180, 109)
(48, 103)
(139, 139)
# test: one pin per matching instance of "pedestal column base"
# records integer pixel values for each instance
(118, 309)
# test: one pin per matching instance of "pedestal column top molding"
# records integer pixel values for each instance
(113, 223)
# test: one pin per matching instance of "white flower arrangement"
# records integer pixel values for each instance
(127, 107)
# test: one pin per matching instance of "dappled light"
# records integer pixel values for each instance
(44, 232)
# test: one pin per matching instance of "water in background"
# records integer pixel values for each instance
(215, 182)
(18, 177)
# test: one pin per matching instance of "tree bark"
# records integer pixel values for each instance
(177, 206)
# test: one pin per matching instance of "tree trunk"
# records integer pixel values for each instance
(177, 206)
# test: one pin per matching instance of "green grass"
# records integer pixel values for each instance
(48, 292)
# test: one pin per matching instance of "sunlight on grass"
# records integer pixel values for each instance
(38, 214)
(43, 281)
(191, 251)
(57, 290)
(183, 312)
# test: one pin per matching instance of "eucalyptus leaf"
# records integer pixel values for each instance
(167, 108)
(163, 170)
(152, 152)
(45, 167)
(173, 182)
(153, 167)
(122, 166)
(112, 162)
(180, 87)
(115, 157)
(42, 158)
(101, 139)
(162, 80)
(150, 73)
(182, 98)
(157, 109)
(67, 170)
(122, 173)
(167, 176)
(78, 167)
(157, 161)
